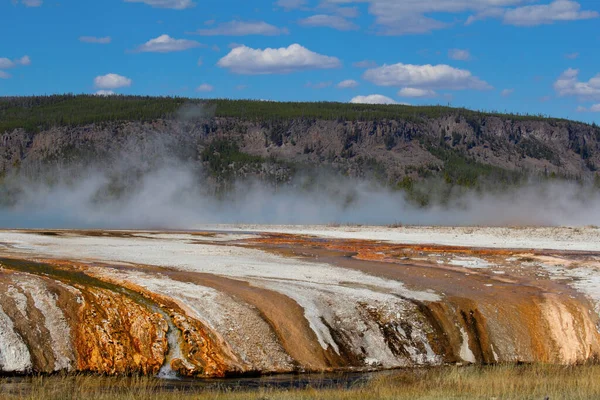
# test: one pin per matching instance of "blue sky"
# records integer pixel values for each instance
(527, 56)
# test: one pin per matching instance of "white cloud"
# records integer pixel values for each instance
(173, 4)
(365, 64)
(290, 4)
(507, 92)
(415, 92)
(572, 56)
(568, 84)
(94, 39)
(395, 17)
(539, 14)
(347, 84)
(6, 63)
(425, 77)
(328, 21)
(25, 60)
(249, 61)
(205, 87)
(104, 93)
(200, 62)
(401, 17)
(373, 99)
(459, 54)
(318, 85)
(242, 28)
(112, 81)
(166, 44)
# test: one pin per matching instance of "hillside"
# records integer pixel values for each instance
(399, 146)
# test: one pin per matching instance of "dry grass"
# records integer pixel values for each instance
(498, 382)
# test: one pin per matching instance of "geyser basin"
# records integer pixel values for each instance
(245, 300)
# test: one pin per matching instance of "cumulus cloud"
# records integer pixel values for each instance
(7, 63)
(425, 77)
(401, 17)
(205, 87)
(328, 21)
(539, 14)
(104, 93)
(25, 60)
(242, 28)
(409, 16)
(415, 92)
(284, 60)
(111, 81)
(173, 4)
(459, 54)
(166, 44)
(94, 39)
(507, 92)
(572, 56)
(373, 99)
(568, 84)
(347, 84)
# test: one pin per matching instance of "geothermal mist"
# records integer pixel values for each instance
(171, 195)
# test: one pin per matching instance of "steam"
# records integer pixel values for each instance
(173, 195)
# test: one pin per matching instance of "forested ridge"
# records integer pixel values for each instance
(43, 112)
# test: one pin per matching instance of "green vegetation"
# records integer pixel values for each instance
(461, 169)
(223, 157)
(42, 112)
(532, 147)
(38, 113)
(535, 382)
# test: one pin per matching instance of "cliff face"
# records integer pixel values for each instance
(391, 149)
(205, 304)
